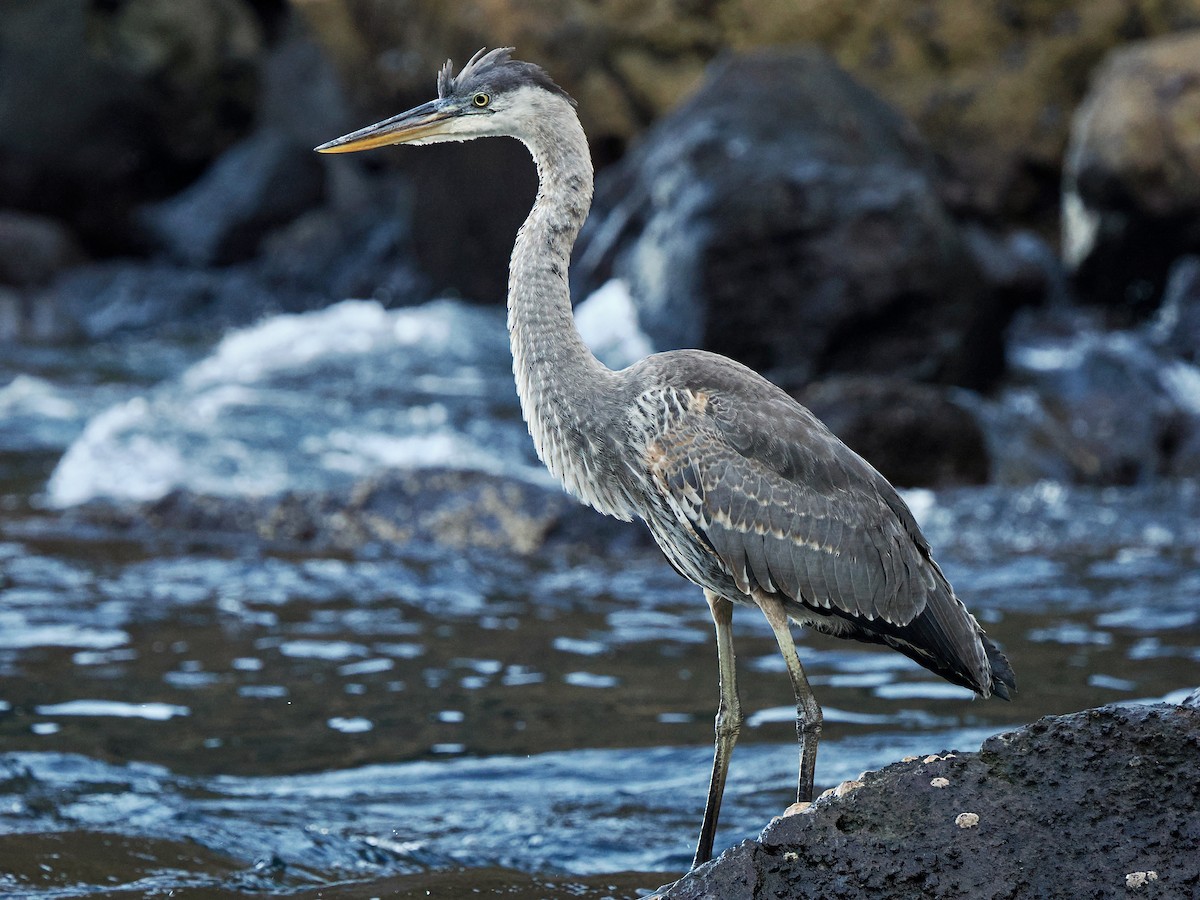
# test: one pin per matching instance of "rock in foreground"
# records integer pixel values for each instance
(1085, 805)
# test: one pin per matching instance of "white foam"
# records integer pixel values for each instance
(293, 341)
(307, 402)
(29, 395)
(608, 322)
(156, 712)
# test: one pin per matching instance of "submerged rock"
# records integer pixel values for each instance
(1131, 199)
(1068, 807)
(453, 508)
(797, 231)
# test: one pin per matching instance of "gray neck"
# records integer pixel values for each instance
(560, 383)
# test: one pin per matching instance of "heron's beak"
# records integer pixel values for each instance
(423, 122)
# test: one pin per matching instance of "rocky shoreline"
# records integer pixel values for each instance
(1101, 803)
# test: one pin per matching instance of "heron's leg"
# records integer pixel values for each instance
(729, 723)
(808, 711)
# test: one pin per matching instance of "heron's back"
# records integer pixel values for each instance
(746, 491)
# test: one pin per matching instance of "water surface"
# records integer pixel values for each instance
(216, 713)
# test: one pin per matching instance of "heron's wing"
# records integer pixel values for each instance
(788, 508)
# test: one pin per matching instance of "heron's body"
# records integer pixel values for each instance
(746, 492)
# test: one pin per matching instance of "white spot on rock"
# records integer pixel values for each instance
(1137, 880)
(966, 820)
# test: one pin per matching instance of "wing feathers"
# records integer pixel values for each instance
(788, 509)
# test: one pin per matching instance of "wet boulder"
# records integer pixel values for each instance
(917, 435)
(1100, 803)
(1175, 329)
(1131, 192)
(260, 183)
(788, 217)
(103, 299)
(1090, 406)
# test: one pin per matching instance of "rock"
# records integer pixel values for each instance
(1175, 330)
(991, 85)
(1066, 807)
(797, 231)
(33, 249)
(1091, 407)
(454, 508)
(915, 434)
(263, 181)
(1131, 192)
(103, 299)
(110, 104)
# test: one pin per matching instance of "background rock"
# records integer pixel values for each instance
(1042, 830)
(1132, 175)
(1089, 406)
(263, 181)
(33, 249)
(915, 434)
(797, 231)
(991, 85)
(106, 105)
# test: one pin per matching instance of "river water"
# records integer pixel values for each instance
(206, 713)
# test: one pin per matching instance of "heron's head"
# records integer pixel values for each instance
(494, 95)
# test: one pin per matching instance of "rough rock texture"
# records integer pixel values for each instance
(797, 231)
(1067, 807)
(1132, 174)
(451, 507)
(915, 434)
(991, 84)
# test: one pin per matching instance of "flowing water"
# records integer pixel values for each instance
(205, 716)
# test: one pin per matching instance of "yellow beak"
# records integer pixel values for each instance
(418, 123)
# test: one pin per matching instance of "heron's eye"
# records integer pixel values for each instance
(481, 99)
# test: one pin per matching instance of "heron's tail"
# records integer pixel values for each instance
(1004, 682)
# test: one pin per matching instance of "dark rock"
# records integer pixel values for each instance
(299, 92)
(1090, 407)
(33, 249)
(915, 434)
(1131, 194)
(1068, 807)
(450, 507)
(797, 230)
(1175, 329)
(103, 299)
(359, 244)
(262, 182)
(110, 104)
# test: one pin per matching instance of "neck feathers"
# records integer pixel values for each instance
(560, 383)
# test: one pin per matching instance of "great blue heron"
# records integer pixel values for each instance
(746, 492)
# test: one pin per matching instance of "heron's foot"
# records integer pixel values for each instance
(797, 808)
